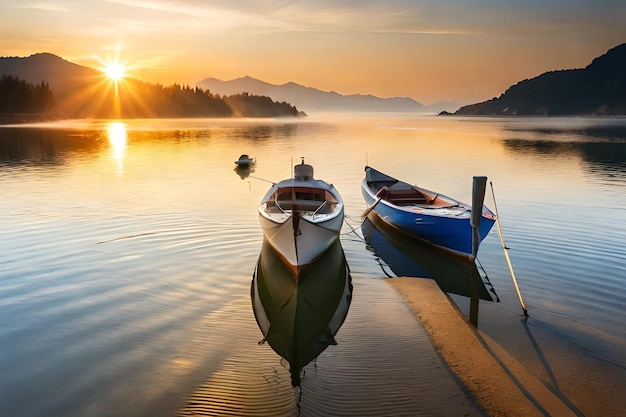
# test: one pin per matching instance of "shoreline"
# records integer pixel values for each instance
(499, 383)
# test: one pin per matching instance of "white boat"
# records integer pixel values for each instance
(245, 160)
(301, 217)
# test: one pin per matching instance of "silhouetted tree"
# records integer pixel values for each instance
(18, 96)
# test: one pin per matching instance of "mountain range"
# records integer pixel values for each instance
(598, 90)
(66, 79)
(314, 100)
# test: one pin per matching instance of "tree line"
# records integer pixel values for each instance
(18, 96)
(136, 99)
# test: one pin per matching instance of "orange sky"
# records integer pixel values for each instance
(428, 50)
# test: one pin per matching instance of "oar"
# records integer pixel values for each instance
(506, 252)
(370, 208)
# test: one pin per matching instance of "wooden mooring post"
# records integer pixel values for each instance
(478, 197)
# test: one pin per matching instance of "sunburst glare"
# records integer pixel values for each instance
(115, 71)
(112, 67)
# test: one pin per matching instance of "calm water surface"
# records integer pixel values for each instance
(127, 249)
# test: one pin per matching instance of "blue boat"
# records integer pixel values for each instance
(426, 214)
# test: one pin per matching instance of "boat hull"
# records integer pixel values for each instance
(244, 163)
(447, 227)
(301, 241)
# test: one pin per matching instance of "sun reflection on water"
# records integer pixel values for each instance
(117, 139)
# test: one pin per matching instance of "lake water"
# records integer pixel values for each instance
(127, 248)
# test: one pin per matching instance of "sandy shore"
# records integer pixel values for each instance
(501, 384)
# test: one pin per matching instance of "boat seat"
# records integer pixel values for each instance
(408, 201)
(402, 194)
(301, 205)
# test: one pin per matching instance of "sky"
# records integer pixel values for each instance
(464, 51)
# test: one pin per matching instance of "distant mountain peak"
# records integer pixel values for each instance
(312, 99)
(48, 58)
(49, 68)
(46, 54)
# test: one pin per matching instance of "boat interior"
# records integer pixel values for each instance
(403, 194)
(303, 199)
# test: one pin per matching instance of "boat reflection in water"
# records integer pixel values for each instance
(244, 171)
(410, 256)
(300, 316)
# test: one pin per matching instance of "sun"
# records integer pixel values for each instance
(115, 71)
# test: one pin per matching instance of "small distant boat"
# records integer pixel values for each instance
(429, 215)
(301, 216)
(245, 160)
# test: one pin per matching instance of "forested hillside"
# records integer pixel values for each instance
(18, 96)
(45, 83)
(598, 89)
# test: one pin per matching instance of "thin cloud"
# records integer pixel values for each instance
(201, 17)
(44, 6)
(284, 16)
